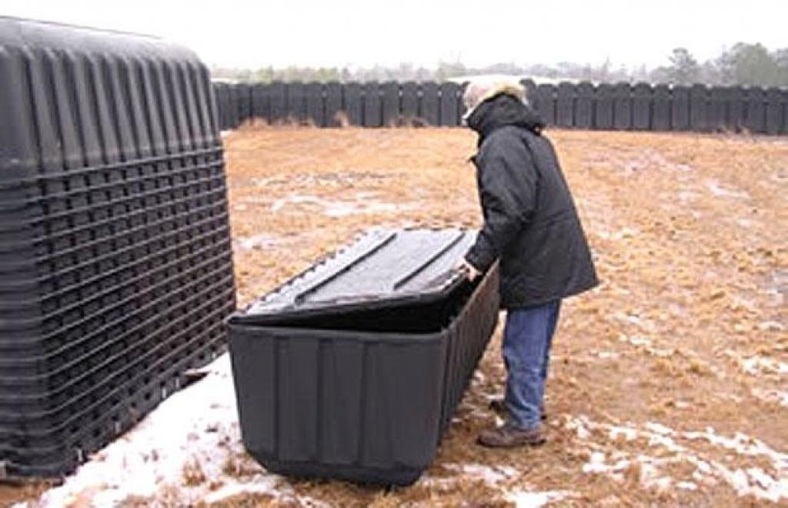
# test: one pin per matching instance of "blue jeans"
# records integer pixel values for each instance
(527, 338)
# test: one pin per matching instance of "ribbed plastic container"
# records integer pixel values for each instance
(353, 369)
(115, 260)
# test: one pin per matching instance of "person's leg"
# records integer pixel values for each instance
(499, 404)
(526, 349)
(553, 322)
(527, 336)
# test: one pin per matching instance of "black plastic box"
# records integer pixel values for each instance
(353, 369)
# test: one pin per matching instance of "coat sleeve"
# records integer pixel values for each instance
(507, 180)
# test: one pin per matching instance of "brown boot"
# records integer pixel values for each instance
(507, 436)
(499, 407)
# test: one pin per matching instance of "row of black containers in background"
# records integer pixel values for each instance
(588, 106)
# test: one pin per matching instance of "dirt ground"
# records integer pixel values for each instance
(669, 382)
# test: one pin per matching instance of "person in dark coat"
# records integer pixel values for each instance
(531, 226)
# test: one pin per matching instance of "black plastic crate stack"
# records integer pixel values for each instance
(353, 369)
(115, 260)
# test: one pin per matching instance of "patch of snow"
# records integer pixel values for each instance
(745, 223)
(745, 481)
(646, 344)
(742, 445)
(718, 190)
(637, 341)
(658, 482)
(775, 396)
(628, 433)
(257, 241)
(524, 499)
(686, 196)
(596, 464)
(183, 448)
(493, 476)
(621, 234)
(658, 428)
(363, 203)
(260, 485)
(651, 160)
(776, 296)
(490, 475)
(580, 427)
(760, 364)
(771, 326)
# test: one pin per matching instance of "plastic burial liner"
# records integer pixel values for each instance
(352, 369)
(115, 254)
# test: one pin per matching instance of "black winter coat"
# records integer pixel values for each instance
(530, 220)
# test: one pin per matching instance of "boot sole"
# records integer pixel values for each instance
(517, 444)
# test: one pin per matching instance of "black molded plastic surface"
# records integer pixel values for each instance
(642, 111)
(545, 102)
(409, 102)
(603, 110)
(565, 105)
(660, 120)
(680, 108)
(115, 260)
(450, 104)
(429, 104)
(365, 394)
(622, 106)
(382, 269)
(584, 106)
(373, 106)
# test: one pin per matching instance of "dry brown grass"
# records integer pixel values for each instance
(193, 474)
(11, 493)
(685, 231)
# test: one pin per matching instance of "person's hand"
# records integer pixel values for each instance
(468, 269)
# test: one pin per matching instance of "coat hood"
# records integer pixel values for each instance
(503, 110)
(480, 90)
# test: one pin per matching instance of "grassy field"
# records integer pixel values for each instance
(669, 383)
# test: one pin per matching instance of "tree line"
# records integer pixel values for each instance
(743, 64)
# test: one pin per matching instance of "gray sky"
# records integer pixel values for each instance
(356, 33)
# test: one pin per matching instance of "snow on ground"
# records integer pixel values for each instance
(535, 499)
(360, 203)
(189, 448)
(490, 475)
(737, 461)
(501, 478)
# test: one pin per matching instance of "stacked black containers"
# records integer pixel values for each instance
(115, 261)
(353, 369)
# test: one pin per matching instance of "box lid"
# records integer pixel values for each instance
(383, 268)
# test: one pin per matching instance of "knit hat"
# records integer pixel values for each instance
(482, 89)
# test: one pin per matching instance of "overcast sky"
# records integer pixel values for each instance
(252, 34)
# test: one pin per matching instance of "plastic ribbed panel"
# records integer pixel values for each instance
(115, 261)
